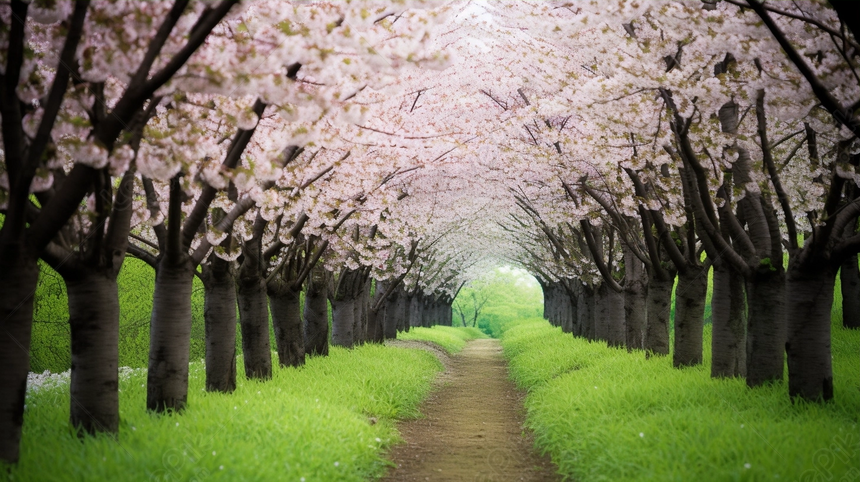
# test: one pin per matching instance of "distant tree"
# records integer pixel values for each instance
(470, 302)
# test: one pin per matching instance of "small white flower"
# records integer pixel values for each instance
(336, 464)
(220, 467)
(742, 425)
(177, 424)
(378, 439)
(213, 452)
(134, 428)
(747, 465)
(302, 479)
(641, 435)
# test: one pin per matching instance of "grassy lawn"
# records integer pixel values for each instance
(606, 414)
(330, 420)
(452, 339)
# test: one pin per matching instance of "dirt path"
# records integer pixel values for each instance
(473, 427)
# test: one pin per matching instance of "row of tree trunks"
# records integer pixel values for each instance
(636, 317)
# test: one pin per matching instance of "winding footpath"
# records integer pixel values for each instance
(473, 427)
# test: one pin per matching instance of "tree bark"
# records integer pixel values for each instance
(376, 317)
(18, 280)
(635, 301)
(415, 311)
(170, 336)
(689, 317)
(287, 320)
(389, 323)
(254, 323)
(810, 299)
(766, 326)
(568, 319)
(342, 322)
(659, 301)
(219, 316)
(316, 313)
(585, 313)
(94, 323)
(849, 275)
(609, 315)
(728, 323)
(403, 312)
(362, 301)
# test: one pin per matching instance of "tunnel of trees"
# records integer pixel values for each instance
(375, 157)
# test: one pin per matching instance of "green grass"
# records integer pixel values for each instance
(606, 414)
(451, 339)
(330, 420)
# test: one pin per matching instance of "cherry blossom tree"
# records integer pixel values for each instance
(34, 92)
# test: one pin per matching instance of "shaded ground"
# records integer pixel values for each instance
(473, 426)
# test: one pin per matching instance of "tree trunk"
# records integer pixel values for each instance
(849, 276)
(389, 323)
(18, 278)
(766, 330)
(342, 322)
(316, 314)
(170, 336)
(609, 315)
(219, 315)
(728, 323)
(635, 301)
(585, 313)
(689, 317)
(94, 323)
(659, 299)
(415, 311)
(403, 312)
(361, 334)
(254, 323)
(570, 305)
(375, 318)
(810, 298)
(374, 325)
(287, 320)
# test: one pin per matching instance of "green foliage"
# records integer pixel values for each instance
(606, 414)
(50, 346)
(451, 339)
(509, 294)
(329, 420)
